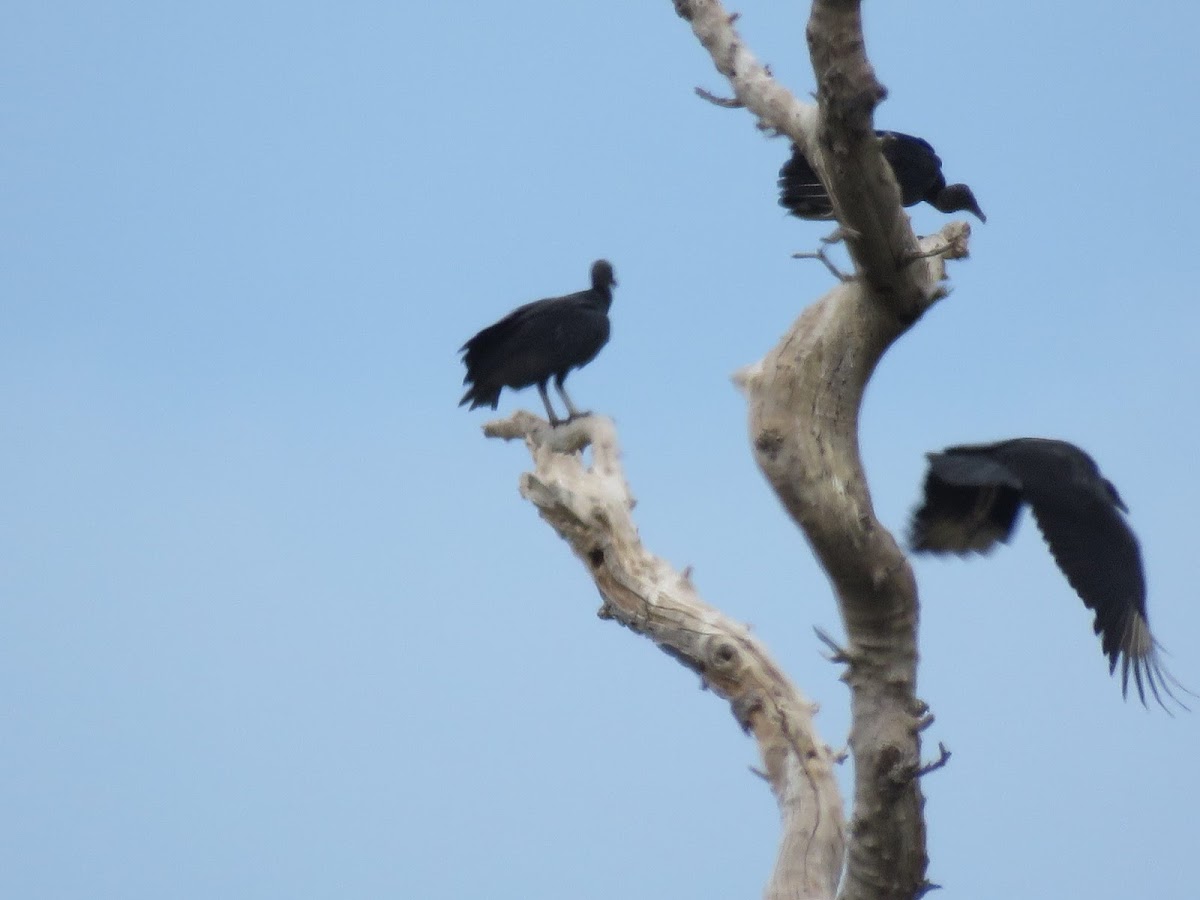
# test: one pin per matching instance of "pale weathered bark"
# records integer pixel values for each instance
(589, 507)
(804, 398)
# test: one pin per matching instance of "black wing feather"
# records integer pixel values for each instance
(1099, 555)
(1079, 514)
(801, 191)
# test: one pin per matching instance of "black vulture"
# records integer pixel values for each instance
(917, 168)
(539, 341)
(973, 495)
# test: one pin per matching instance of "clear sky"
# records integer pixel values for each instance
(274, 622)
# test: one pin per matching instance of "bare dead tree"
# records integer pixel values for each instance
(804, 397)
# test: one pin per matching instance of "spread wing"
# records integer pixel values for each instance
(1099, 554)
(1081, 518)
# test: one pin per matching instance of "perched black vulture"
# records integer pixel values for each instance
(917, 168)
(539, 341)
(972, 497)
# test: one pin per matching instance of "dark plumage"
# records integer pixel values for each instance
(917, 168)
(539, 341)
(972, 497)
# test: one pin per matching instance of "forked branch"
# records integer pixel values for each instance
(804, 400)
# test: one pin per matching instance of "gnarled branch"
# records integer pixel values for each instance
(589, 507)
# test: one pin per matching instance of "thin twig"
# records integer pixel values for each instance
(723, 102)
(840, 653)
(823, 257)
(943, 758)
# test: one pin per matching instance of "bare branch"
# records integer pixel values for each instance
(840, 653)
(943, 758)
(823, 257)
(589, 507)
(723, 102)
(753, 87)
(952, 242)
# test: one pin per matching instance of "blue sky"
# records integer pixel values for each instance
(274, 622)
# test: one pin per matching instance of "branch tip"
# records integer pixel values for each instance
(823, 257)
(745, 378)
(943, 758)
(723, 102)
(565, 437)
(835, 237)
(839, 653)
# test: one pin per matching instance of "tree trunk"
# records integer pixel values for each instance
(804, 398)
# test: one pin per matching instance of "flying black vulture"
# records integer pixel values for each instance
(972, 497)
(539, 341)
(917, 168)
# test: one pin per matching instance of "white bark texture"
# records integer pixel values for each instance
(589, 507)
(804, 398)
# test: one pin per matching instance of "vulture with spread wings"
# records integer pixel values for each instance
(972, 497)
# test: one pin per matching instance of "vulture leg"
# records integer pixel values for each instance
(554, 420)
(572, 412)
